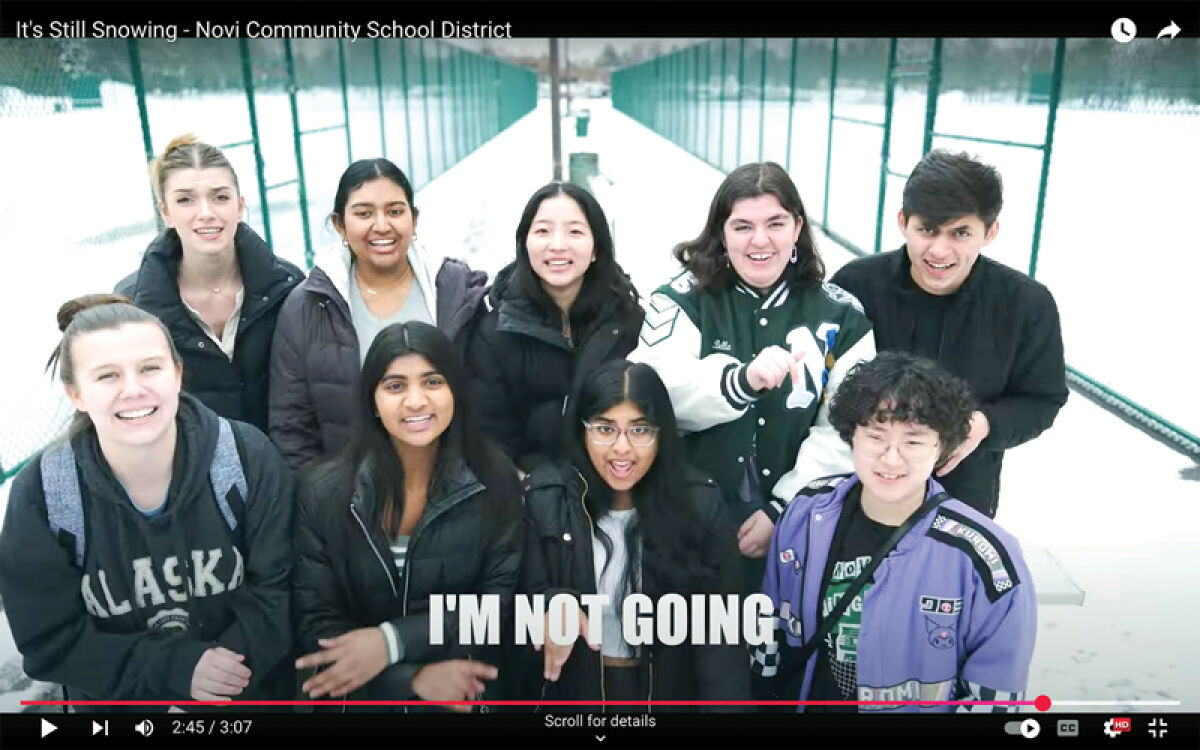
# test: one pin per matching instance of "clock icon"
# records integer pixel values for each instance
(1124, 30)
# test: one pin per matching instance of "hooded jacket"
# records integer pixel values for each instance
(559, 559)
(523, 366)
(951, 614)
(1001, 334)
(315, 361)
(467, 541)
(154, 593)
(237, 388)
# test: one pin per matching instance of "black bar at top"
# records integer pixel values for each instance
(657, 18)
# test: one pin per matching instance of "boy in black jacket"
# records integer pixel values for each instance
(993, 326)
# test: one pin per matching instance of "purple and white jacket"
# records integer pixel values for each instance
(951, 614)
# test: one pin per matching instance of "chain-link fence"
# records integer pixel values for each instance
(1098, 144)
(80, 119)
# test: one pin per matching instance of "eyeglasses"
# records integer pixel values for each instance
(910, 449)
(638, 435)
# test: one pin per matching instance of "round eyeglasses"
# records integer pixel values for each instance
(638, 435)
(910, 449)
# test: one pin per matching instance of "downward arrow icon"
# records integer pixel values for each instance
(600, 737)
(1170, 31)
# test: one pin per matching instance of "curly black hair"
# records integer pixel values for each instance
(903, 387)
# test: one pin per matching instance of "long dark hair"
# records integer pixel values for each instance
(462, 442)
(706, 256)
(606, 287)
(670, 553)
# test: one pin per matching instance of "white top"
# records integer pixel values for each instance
(613, 523)
(228, 337)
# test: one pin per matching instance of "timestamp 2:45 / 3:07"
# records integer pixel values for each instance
(211, 726)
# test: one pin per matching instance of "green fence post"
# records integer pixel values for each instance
(455, 104)
(931, 96)
(407, 116)
(252, 110)
(787, 161)
(441, 86)
(885, 154)
(762, 100)
(379, 100)
(341, 47)
(742, 85)
(1060, 48)
(499, 94)
(299, 147)
(425, 103)
(721, 118)
(139, 89)
(694, 101)
(706, 92)
(833, 70)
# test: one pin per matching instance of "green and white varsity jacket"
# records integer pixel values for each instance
(756, 445)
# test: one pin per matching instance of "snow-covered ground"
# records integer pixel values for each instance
(1110, 505)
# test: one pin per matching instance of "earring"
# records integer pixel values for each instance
(795, 253)
(376, 413)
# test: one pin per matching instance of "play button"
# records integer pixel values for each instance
(47, 728)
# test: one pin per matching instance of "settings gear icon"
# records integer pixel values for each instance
(1108, 729)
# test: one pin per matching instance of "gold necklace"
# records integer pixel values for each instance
(393, 285)
(217, 289)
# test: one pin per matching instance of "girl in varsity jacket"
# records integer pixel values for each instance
(748, 341)
(149, 556)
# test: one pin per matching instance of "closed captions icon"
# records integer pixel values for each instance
(1068, 727)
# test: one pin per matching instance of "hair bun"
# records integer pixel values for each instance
(179, 141)
(71, 308)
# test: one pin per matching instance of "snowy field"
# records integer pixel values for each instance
(1114, 508)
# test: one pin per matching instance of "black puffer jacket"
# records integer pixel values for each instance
(1001, 334)
(467, 541)
(234, 389)
(524, 367)
(558, 558)
(315, 359)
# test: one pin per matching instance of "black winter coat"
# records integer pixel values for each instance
(558, 558)
(1001, 334)
(234, 389)
(523, 367)
(467, 541)
(145, 627)
(315, 361)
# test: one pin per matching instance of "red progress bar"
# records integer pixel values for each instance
(1041, 703)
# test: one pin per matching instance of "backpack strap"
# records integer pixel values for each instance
(226, 474)
(64, 502)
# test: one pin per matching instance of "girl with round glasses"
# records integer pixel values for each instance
(625, 514)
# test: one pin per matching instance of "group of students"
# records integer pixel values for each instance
(544, 434)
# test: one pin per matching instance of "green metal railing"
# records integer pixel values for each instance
(290, 115)
(842, 114)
